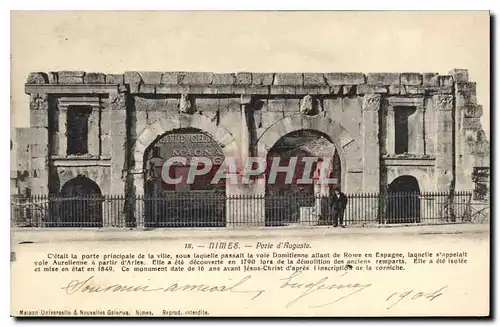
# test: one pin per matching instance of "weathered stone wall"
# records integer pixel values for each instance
(248, 112)
(472, 147)
(32, 165)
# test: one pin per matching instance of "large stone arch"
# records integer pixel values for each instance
(339, 135)
(164, 125)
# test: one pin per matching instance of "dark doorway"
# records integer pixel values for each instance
(199, 203)
(284, 200)
(403, 204)
(79, 204)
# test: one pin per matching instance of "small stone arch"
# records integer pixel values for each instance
(404, 203)
(340, 137)
(81, 204)
(161, 126)
(94, 174)
(405, 183)
(422, 178)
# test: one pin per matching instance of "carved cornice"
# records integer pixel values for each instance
(71, 88)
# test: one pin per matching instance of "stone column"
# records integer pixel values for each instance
(390, 129)
(444, 141)
(371, 153)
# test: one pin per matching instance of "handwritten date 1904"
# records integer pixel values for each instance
(413, 296)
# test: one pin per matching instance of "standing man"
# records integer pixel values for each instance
(338, 205)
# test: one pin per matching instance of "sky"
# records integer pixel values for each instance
(114, 42)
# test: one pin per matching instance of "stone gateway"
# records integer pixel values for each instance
(106, 134)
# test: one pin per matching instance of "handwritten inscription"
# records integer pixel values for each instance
(307, 288)
(89, 285)
(413, 295)
(300, 289)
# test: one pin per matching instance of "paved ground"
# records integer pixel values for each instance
(122, 235)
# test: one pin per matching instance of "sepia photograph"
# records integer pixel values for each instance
(259, 164)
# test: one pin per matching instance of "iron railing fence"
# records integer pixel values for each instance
(212, 209)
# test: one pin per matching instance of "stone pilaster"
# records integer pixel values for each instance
(390, 129)
(117, 113)
(371, 147)
(249, 206)
(105, 136)
(444, 141)
(114, 118)
(244, 136)
(37, 140)
(371, 151)
(63, 123)
(39, 107)
(94, 129)
(419, 143)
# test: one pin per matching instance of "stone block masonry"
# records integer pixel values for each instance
(247, 113)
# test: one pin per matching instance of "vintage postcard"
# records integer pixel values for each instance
(231, 164)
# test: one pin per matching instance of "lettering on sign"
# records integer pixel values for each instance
(186, 138)
(189, 145)
(183, 152)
